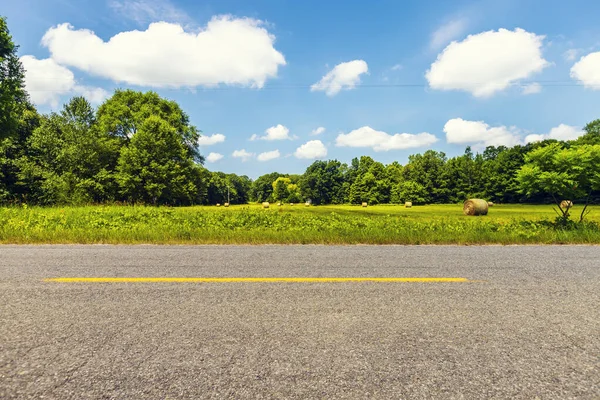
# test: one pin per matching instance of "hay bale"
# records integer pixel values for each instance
(307, 204)
(226, 205)
(218, 204)
(490, 204)
(475, 207)
(364, 204)
(566, 204)
(279, 203)
(265, 204)
(291, 204)
(408, 204)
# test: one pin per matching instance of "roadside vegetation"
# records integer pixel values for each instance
(141, 151)
(251, 224)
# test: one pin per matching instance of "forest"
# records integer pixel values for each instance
(139, 148)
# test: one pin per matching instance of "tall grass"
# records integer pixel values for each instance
(436, 224)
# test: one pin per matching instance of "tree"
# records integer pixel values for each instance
(156, 167)
(592, 133)
(13, 98)
(428, 169)
(71, 160)
(125, 112)
(280, 188)
(564, 173)
(323, 182)
(262, 187)
(409, 191)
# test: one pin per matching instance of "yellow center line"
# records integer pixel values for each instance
(256, 279)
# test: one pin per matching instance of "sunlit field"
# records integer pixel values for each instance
(251, 224)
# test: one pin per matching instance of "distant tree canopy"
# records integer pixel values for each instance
(141, 148)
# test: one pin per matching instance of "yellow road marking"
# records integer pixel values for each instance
(272, 279)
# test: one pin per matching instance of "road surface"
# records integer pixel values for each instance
(523, 322)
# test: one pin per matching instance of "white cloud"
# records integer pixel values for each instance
(268, 155)
(447, 32)
(210, 140)
(343, 76)
(231, 51)
(277, 132)
(571, 54)
(382, 141)
(532, 88)
(46, 81)
(318, 131)
(459, 130)
(242, 154)
(397, 67)
(214, 157)
(587, 70)
(488, 62)
(311, 149)
(145, 11)
(561, 132)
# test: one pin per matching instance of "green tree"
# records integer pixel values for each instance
(13, 98)
(592, 133)
(409, 191)
(563, 173)
(280, 188)
(323, 182)
(71, 160)
(429, 170)
(122, 116)
(156, 167)
(262, 187)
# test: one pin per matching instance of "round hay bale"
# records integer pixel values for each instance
(475, 207)
(307, 204)
(265, 204)
(408, 204)
(566, 204)
(226, 205)
(218, 204)
(291, 204)
(279, 204)
(364, 204)
(490, 204)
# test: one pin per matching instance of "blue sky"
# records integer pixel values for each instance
(528, 70)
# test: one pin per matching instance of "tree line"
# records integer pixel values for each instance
(140, 148)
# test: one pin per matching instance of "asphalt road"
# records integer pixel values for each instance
(526, 325)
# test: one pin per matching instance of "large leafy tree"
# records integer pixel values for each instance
(71, 160)
(262, 187)
(429, 170)
(563, 173)
(323, 182)
(156, 167)
(126, 111)
(13, 98)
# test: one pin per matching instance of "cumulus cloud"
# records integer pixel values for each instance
(214, 157)
(397, 67)
(311, 149)
(532, 88)
(318, 131)
(462, 131)
(382, 141)
(488, 62)
(587, 70)
(343, 76)
(242, 154)
(46, 81)
(561, 132)
(268, 155)
(230, 51)
(447, 32)
(210, 140)
(277, 132)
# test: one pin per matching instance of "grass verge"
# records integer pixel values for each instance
(436, 224)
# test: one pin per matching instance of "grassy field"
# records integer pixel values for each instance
(385, 224)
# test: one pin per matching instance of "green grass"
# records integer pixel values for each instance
(385, 224)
